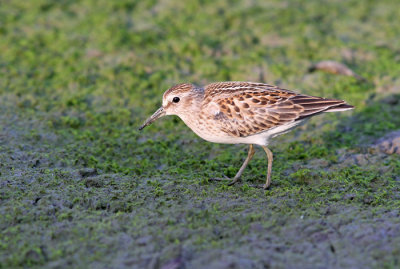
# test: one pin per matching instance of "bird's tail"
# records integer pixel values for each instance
(342, 107)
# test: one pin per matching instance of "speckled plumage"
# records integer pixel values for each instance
(242, 112)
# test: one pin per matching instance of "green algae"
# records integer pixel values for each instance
(77, 78)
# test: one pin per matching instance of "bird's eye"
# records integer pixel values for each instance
(176, 99)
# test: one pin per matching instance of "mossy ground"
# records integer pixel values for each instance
(78, 77)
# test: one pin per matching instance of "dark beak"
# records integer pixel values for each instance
(158, 114)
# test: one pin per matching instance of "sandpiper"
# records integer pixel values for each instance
(242, 113)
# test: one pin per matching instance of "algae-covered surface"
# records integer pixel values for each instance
(81, 187)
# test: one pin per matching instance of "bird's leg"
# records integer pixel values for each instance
(246, 162)
(270, 159)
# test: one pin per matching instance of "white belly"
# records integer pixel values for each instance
(263, 138)
(212, 133)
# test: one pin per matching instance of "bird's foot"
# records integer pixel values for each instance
(258, 186)
(234, 181)
(225, 178)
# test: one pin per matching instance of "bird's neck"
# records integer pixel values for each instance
(193, 107)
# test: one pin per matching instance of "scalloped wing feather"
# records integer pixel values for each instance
(247, 108)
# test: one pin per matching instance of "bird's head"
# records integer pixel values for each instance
(176, 101)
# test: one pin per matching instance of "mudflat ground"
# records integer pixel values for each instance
(81, 187)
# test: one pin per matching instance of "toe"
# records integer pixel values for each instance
(266, 187)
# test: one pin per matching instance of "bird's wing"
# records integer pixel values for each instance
(245, 108)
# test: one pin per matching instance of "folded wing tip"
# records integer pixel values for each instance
(342, 107)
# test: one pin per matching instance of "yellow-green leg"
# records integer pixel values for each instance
(246, 162)
(270, 159)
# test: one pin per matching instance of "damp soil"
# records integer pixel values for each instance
(81, 187)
